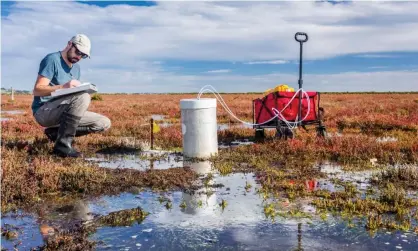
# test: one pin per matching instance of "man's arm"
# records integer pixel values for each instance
(42, 87)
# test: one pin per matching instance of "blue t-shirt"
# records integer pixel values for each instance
(56, 69)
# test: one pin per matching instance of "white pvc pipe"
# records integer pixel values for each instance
(199, 127)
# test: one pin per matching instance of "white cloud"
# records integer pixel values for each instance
(377, 56)
(130, 41)
(219, 71)
(154, 81)
(377, 67)
(349, 81)
(268, 62)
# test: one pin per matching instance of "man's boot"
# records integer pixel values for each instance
(82, 130)
(66, 132)
(52, 132)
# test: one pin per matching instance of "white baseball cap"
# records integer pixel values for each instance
(82, 42)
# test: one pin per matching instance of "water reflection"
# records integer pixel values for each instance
(203, 207)
(62, 216)
(33, 230)
(75, 211)
(142, 161)
(27, 229)
(201, 201)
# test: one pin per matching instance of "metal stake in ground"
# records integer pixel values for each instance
(12, 94)
(152, 134)
(301, 41)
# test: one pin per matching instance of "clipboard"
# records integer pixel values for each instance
(84, 87)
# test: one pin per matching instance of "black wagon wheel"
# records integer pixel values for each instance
(284, 132)
(259, 134)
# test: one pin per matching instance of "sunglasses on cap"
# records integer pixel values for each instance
(79, 53)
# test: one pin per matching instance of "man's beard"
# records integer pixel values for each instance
(73, 60)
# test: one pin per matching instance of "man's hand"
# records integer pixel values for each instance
(72, 83)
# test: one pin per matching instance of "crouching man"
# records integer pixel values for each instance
(65, 116)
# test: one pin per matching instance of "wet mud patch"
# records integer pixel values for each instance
(224, 126)
(360, 179)
(158, 117)
(146, 160)
(8, 115)
(12, 112)
(235, 143)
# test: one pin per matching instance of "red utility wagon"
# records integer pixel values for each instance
(289, 109)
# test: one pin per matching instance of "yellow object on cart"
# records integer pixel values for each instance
(279, 88)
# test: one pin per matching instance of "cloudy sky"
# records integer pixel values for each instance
(234, 46)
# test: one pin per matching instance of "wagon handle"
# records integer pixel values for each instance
(300, 82)
(301, 34)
